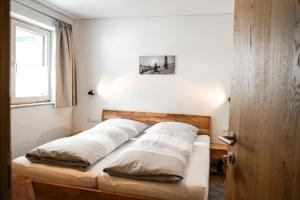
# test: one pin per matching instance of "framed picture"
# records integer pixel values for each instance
(157, 65)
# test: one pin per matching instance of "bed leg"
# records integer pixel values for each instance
(21, 188)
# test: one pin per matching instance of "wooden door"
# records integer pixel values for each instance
(265, 105)
(4, 101)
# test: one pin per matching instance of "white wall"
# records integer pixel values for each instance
(35, 125)
(108, 57)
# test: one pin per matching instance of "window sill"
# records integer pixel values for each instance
(32, 104)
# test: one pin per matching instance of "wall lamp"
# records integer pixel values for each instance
(91, 92)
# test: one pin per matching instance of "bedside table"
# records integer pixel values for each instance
(217, 151)
(218, 155)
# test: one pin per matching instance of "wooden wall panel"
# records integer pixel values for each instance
(202, 122)
(4, 101)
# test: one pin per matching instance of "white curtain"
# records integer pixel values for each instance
(65, 67)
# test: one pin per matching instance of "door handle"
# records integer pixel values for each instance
(229, 139)
(231, 158)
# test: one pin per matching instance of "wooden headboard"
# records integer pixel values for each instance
(200, 121)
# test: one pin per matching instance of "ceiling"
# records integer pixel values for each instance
(98, 9)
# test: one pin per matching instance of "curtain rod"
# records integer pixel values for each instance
(43, 13)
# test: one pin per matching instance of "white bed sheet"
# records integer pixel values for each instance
(194, 186)
(62, 175)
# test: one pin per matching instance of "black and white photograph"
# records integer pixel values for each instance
(157, 65)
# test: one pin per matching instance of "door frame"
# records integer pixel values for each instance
(5, 159)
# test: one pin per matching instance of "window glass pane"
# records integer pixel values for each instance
(31, 71)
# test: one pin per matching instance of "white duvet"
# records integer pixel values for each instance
(82, 150)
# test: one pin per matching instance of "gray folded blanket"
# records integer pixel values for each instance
(159, 155)
(82, 150)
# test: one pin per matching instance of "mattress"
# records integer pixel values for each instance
(194, 186)
(61, 175)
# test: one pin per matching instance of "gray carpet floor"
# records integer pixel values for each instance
(216, 191)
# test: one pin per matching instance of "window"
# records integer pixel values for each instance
(30, 70)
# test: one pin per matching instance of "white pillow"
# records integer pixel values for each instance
(137, 127)
(175, 126)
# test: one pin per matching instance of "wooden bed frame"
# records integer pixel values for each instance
(48, 191)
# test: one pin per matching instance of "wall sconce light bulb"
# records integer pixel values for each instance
(91, 92)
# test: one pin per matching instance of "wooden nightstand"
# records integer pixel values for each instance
(217, 151)
(218, 154)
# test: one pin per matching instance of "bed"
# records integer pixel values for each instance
(50, 182)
